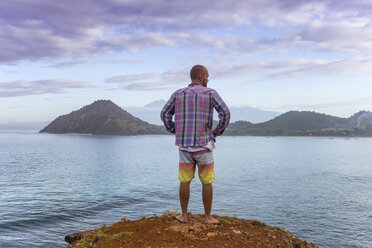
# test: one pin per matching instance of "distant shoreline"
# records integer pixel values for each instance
(27, 131)
(268, 136)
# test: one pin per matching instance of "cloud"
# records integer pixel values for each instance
(178, 76)
(148, 86)
(52, 86)
(340, 108)
(33, 43)
(352, 66)
(70, 63)
(226, 70)
(131, 78)
(70, 17)
(253, 72)
(340, 36)
(166, 80)
(341, 104)
(43, 29)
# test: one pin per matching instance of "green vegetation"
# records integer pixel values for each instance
(85, 244)
(120, 234)
(100, 234)
(170, 212)
(103, 228)
(223, 221)
(143, 217)
(105, 117)
(304, 123)
(102, 117)
(289, 245)
(225, 216)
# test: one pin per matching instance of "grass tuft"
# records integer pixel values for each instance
(170, 212)
(290, 245)
(223, 221)
(100, 235)
(120, 234)
(85, 244)
(102, 228)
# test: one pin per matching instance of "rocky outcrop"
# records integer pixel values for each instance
(166, 231)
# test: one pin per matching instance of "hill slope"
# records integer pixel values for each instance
(105, 117)
(101, 117)
(298, 123)
(304, 120)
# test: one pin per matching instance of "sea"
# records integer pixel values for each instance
(320, 189)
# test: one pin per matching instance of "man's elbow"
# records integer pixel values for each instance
(227, 116)
(162, 116)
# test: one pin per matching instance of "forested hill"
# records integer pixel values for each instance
(106, 118)
(306, 123)
(101, 117)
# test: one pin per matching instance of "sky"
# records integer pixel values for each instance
(58, 56)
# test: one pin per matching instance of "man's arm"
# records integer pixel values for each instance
(167, 113)
(223, 114)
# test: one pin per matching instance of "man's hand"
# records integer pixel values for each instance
(212, 131)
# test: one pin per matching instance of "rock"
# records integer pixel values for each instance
(72, 238)
(296, 244)
(97, 238)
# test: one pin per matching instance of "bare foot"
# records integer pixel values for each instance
(182, 218)
(210, 220)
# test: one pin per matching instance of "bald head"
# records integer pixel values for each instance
(199, 73)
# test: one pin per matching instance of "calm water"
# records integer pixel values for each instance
(320, 189)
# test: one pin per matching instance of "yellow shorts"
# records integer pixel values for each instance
(188, 162)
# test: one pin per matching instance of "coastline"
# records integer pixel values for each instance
(225, 135)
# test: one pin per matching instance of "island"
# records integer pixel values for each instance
(103, 117)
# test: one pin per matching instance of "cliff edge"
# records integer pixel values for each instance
(166, 231)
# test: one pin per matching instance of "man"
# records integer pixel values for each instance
(193, 110)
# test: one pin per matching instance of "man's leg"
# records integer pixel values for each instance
(184, 200)
(186, 171)
(206, 175)
(207, 201)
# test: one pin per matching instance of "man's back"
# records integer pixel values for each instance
(193, 110)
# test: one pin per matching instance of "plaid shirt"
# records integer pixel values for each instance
(193, 110)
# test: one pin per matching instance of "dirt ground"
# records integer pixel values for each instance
(166, 231)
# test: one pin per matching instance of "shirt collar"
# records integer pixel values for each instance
(193, 84)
